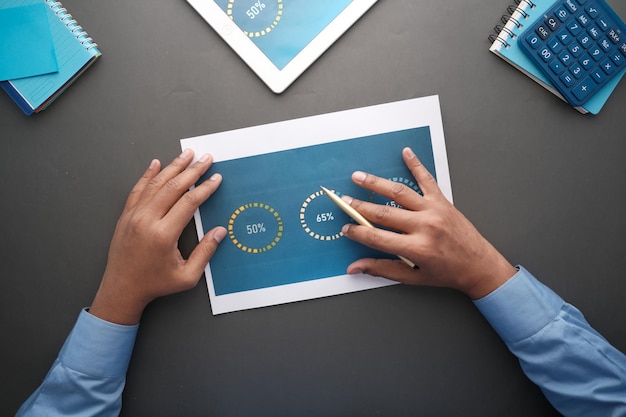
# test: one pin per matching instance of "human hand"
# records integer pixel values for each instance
(448, 249)
(144, 262)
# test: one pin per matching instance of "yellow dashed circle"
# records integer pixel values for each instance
(237, 242)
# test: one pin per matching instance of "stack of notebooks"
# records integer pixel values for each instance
(43, 50)
(506, 40)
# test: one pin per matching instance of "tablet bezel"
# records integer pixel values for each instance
(278, 80)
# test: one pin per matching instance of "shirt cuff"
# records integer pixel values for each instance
(98, 348)
(520, 307)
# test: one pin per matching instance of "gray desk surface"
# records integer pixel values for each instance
(542, 182)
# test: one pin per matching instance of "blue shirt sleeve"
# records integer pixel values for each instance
(88, 377)
(579, 372)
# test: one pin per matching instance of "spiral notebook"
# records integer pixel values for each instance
(505, 45)
(75, 52)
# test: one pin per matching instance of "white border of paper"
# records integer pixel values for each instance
(278, 80)
(310, 131)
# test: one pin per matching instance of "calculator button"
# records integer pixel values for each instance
(586, 62)
(613, 35)
(596, 53)
(568, 79)
(574, 28)
(557, 67)
(561, 13)
(545, 54)
(584, 89)
(534, 41)
(598, 75)
(605, 45)
(566, 58)
(608, 67)
(585, 40)
(592, 11)
(552, 23)
(594, 31)
(576, 49)
(577, 71)
(571, 6)
(623, 48)
(617, 58)
(581, 2)
(542, 32)
(583, 19)
(564, 37)
(603, 24)
(556, 46)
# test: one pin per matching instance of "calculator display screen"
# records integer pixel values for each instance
(281, 29)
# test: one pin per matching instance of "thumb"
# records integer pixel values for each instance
(205, 250)
(395, 270)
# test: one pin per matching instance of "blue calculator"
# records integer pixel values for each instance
(579, 45)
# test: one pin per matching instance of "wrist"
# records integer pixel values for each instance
(116, 308)
(490, 278)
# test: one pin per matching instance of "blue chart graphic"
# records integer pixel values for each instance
(282, 229)
(282, 28)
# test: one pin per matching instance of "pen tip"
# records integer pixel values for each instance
(324, 189)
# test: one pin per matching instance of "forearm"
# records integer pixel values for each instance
(580, 373)
(144, 263)
(88, 377)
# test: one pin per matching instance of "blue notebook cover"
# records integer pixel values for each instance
(506, 47)
(75, 52)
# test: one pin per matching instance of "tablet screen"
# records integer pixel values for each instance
(281, 29)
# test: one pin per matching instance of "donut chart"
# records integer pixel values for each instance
(280, 29)
(255, 228)
(255, 18)
(320, 218)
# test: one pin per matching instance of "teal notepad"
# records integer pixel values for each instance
(75, 52)
(505, 45)
(26, 46)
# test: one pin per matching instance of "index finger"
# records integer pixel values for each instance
(395, 191)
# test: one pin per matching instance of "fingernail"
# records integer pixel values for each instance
(185, 153)
(359, 176)
(354, 270)
(215, 177)
(410, 155)
(347, 199)
(205, 158)
(153, 164)
(219, 235)
(345, 228)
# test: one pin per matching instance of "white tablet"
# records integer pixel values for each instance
(279, 39)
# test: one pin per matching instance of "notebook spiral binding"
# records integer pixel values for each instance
(72, 25)
(515, 14)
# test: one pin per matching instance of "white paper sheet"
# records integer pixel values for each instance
(285, 150)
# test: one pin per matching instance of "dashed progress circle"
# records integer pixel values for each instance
(321, 219)
(255, 18)
(255, 228)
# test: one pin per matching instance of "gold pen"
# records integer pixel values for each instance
(357, 217)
